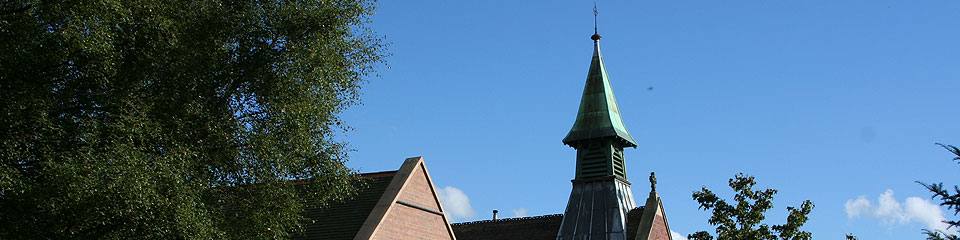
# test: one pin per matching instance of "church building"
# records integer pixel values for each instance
(403, 204)
(601, 204)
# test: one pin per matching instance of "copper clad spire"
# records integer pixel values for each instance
(598, 116)
(601, 197)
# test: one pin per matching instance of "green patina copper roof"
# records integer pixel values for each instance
(599, 115)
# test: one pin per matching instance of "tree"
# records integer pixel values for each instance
(952, 201)
(938, 235)
(175, 119)
(743, 220)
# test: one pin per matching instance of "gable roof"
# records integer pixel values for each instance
(524, 228)
(539, 227)
(653, 224)
(643, 223)
(408, 206)
(342, 220)
(386, 204)
(633, 222)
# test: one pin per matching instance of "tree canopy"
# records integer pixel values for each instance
(951, 200)
(175, 119)
(744, 221)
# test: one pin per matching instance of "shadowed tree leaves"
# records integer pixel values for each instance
(743, 220)
(140, 119)
(938, 235)
(951, 201)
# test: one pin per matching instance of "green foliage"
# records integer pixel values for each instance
(952, 201)
(850, 236)
(175, 119)
(701, 235)
(938, 235)
(743, 221)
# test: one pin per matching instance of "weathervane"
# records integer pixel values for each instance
(596, 36)
(595, 12)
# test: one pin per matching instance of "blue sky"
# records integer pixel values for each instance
(838, 102)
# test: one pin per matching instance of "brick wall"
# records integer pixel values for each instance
(659, 230)
(405, 222)
(418, 192)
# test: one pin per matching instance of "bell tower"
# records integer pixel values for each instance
(601, 195)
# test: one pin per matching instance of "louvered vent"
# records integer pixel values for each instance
(594, 161)
(619, 169)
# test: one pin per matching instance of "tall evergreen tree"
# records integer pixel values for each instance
(952, 201)
(744, 221)
(140, 119)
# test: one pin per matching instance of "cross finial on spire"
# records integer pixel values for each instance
(595, 13)
(596, 35)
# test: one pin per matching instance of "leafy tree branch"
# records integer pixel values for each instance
(744, 220)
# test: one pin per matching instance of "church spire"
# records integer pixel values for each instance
(601, 195)
(598, 116)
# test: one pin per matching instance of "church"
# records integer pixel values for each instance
(601, 204)
(403, 204)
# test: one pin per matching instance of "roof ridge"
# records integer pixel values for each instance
(378, 174)
(509, 219)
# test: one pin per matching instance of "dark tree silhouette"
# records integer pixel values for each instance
(952, 201)
(139, 119)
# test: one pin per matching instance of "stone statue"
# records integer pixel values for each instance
(653, 182)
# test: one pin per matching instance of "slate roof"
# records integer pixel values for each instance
(634, 216)
(342, 220)
(532, 228)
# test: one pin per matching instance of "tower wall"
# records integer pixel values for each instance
(597, 210)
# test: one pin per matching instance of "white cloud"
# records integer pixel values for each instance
(856, 207)
(519, 212)
(677, 236)
(924, 211)
(456, 203)
(890, 211)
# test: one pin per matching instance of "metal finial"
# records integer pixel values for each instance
(595, 13)
(596, 35)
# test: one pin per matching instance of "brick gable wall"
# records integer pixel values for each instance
(659, 231)
(418, 192)
(405, 222)
(408, 222)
